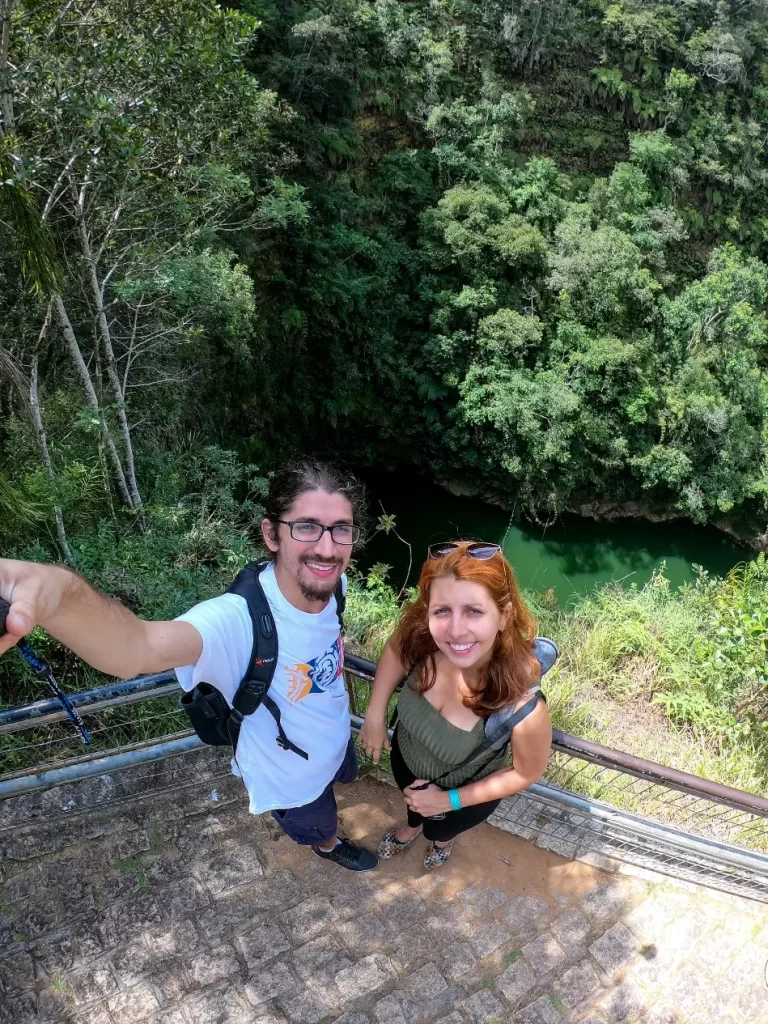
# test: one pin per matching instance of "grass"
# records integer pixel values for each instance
(133, 866)
(622, 650)
(157, 841)
(59, 985)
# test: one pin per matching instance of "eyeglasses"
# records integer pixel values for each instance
(477, 549)
(308, 532)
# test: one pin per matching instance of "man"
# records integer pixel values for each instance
(309, 528)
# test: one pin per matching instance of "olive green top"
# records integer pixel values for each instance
(430, 744)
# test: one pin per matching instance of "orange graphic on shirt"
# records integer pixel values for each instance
(299, 683)
(317, 675)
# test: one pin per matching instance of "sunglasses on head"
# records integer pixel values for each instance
(477, 549)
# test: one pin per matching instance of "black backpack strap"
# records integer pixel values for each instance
(516, 719)
(341, 603)
(252, 691)
(282, 739)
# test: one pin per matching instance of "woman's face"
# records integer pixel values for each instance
(464, 621)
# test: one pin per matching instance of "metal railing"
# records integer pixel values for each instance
(121, 716)
(598, 804)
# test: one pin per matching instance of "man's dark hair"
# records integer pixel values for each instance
(298, 477)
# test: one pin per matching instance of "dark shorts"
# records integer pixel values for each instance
(317, 822)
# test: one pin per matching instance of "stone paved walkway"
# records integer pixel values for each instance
(184, 910)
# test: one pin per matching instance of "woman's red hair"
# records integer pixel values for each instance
(513, 667)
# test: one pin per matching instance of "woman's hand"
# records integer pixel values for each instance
(374, 737)
(426, 802)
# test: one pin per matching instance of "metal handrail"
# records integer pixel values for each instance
(672, 778)
(127, 691)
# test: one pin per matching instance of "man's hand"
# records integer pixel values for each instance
(374, 737)
(99, 630)
(426, 802)
(34, 593)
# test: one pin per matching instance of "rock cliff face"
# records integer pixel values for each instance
(624, 510)
(610, 510)
(756, 541)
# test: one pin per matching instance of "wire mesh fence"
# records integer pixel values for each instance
(595, 833)
(593, 802)
(658, 801)
(198, 778)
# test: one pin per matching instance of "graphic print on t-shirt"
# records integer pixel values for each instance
(316, 675)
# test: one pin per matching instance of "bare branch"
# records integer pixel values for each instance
(108, 233)
(57, 190)
(129, 358)
(91, 396)
(183, 378)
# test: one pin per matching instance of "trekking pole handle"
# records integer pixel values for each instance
(4, 609)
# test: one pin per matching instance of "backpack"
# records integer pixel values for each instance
(212, 718)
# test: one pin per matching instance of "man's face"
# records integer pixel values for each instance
(314, 566)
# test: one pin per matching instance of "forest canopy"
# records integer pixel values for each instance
(521, 244)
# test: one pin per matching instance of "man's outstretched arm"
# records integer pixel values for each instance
(100, 630)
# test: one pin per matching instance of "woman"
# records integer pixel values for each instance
(466, 645)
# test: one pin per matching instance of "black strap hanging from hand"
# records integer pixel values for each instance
(43, 670)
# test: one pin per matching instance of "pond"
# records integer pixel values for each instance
(571, 556)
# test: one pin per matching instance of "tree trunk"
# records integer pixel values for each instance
(92, 398)
(7, 123)
(42, 441)
(109, 359)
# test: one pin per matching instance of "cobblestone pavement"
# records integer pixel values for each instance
(186, 910)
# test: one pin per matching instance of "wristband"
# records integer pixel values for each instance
(453, 795)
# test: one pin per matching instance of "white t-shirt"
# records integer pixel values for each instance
(308, 687)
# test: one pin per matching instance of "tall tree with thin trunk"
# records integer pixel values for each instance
(42, 439)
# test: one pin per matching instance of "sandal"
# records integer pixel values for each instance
(436, 856)
(390, 845)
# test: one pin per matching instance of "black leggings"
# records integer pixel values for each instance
(439, 830)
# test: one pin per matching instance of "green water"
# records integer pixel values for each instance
(572, 556)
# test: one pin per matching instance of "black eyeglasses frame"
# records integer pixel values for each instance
(290, 523)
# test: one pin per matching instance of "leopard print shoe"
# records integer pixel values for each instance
(390, 845)
(436, 856)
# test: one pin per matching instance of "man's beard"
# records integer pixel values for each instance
(312, 591)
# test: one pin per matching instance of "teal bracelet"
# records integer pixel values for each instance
(453, 795)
